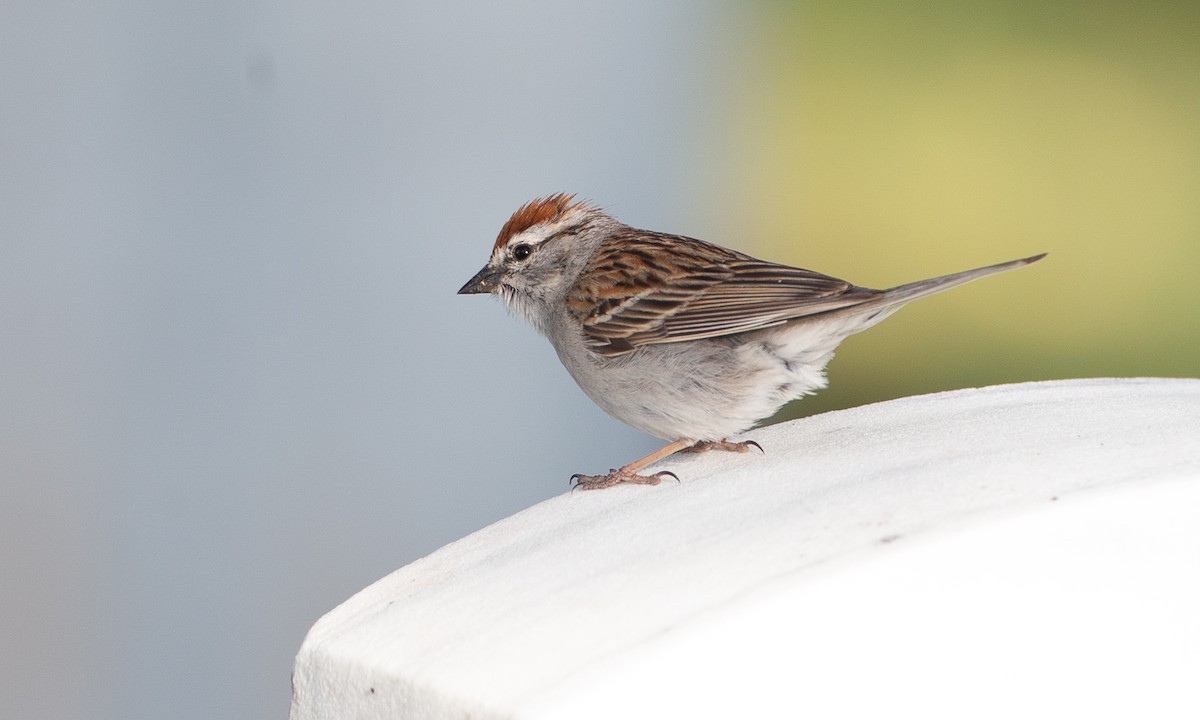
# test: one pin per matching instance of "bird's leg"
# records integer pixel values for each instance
(740, 447)
(627, 474)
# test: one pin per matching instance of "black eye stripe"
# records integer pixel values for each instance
(522, 251)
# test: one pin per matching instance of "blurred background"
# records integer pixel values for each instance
(236, 383)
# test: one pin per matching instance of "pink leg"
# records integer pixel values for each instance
(627, 474)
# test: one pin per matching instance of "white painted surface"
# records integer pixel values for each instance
(1023, 550)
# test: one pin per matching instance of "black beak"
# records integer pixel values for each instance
(485, 281)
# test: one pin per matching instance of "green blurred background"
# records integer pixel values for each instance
(886, 142)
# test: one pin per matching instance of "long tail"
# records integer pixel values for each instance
(921, 288)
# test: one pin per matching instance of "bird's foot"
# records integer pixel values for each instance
(620, 476)
(739, 447)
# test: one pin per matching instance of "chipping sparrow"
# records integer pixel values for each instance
(680, 338)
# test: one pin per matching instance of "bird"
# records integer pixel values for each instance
(685, 340)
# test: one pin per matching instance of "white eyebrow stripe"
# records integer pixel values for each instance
(540, 233)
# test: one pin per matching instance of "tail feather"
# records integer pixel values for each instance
(921, 288)
(879, 304)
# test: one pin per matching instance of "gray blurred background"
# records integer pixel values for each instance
(236, 383)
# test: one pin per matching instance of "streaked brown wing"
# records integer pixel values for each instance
(643, 290)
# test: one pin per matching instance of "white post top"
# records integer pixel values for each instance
(1013, 551)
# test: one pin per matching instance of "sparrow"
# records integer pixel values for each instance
(685, 340)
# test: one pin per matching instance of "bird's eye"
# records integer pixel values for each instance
(522, 252)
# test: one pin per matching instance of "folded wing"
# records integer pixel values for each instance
(646, 289)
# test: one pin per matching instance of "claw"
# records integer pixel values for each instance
(674, 477)
(578, 476)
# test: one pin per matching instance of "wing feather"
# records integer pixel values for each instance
(646, 288)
